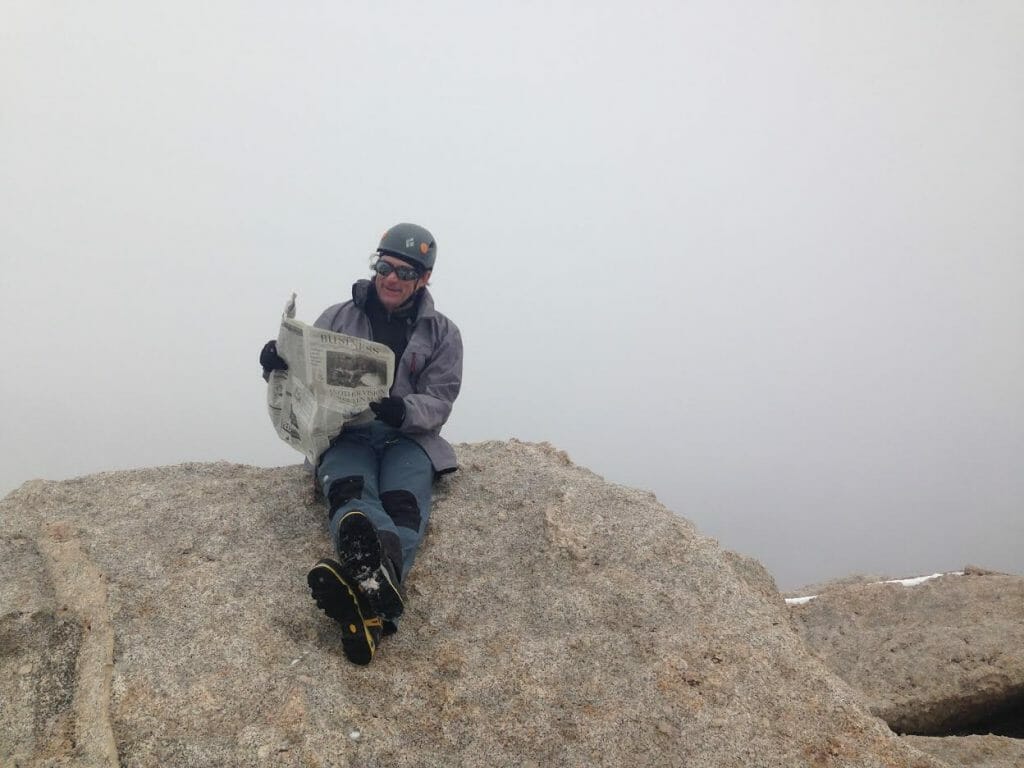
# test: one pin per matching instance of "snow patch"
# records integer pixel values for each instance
(799, 600)
(919, 579)
(912, 582)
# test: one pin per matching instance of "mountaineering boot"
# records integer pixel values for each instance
(364, 565)
(360, 627)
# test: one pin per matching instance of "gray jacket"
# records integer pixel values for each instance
(427, 378)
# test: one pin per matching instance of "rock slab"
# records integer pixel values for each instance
(160, 617)
(934, 659)
(972, 751)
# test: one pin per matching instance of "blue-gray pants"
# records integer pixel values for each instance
(388, 477)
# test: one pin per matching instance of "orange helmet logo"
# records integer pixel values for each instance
(424, 248)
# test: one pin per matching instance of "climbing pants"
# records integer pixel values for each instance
(388, 477)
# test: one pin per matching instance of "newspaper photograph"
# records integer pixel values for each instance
(330, 382)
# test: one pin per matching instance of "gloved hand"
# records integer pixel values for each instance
(270, 360)
(390, 410)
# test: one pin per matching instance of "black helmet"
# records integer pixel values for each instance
(410, 242)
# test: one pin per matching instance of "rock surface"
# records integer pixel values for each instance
(160, 617)
(972, 751)
(931, 659)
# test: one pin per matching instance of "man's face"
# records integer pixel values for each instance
(394, 291)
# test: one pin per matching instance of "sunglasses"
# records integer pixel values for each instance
(384, 268)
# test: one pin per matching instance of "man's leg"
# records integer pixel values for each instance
(363, 534)
(406, 484)
(347, 474)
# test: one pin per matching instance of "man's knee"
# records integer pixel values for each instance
(342, 491)
(403, 508)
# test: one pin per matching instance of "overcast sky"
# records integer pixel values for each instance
(763, 259)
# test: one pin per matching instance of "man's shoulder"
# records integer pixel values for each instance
(332, 317)
(442, 322)
(445, 330)
(335, 314)
(431, 312)
(447, 322)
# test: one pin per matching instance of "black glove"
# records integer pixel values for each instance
(270, 360)
(390, 410)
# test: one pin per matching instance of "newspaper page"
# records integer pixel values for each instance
(330, 382)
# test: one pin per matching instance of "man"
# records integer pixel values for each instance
(377, 478)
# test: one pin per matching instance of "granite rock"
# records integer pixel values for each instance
(972, 751)
(160, 617)
(943, 657)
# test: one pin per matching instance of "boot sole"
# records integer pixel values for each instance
(336, 597)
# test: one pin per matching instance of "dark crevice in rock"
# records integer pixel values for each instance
(1005, 721)
(999, 718)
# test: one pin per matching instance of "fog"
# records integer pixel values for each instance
(764, 260)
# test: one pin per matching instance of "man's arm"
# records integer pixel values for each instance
(437, 387)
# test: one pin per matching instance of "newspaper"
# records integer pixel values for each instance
(330, 382)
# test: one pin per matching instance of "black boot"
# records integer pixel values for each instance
(361, 627)
(363, 564)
